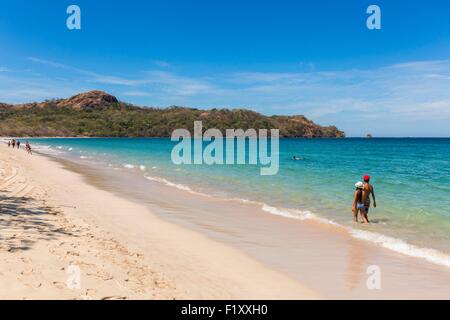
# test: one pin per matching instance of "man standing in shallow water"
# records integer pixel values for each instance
(368, 191)
(358, 203)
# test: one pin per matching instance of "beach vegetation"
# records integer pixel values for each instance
(97, 114)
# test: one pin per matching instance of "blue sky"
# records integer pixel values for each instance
(315, 58)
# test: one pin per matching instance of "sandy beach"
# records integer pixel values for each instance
(222, 151)
(70, 229)
(52, 222)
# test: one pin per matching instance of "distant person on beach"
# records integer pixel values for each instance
(358, 203)
(9, 143)
(13, 143)
(28, 148)
(368, 190)
(18, 144)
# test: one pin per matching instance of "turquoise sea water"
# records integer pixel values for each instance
(411, 179)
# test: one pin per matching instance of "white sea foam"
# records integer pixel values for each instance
(391, 243)
(47, 149)
(296, 214)
(168, 183)
(394, 244)
(42, 147)
(400, 246)
(246, 201)
(142, 167)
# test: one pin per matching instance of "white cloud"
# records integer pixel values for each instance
(171, 83)
(395, 95)
(136, 94)
(92, 76)
(113, 80)
(49, 63)
(162, 64)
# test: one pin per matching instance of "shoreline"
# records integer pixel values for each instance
(322, 258)
(122, 249)
(329, 260)
(168, 137)
(387, 240)
(186, 208)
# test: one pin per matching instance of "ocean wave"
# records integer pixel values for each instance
(47, 149)
(168, 183)
(393, 244)
(296, 214)
(42, 147)
(400, 246)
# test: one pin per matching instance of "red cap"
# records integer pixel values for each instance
(366, 178)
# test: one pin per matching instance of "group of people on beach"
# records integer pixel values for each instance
(16, 143)
(361, 200)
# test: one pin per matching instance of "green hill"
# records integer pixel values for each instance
(98, 114)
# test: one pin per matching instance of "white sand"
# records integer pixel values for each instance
(50, 220)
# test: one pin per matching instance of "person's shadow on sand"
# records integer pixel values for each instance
(23, 222)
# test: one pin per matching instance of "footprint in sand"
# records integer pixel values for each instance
(26, 260)
(88, 294)
(27, 271)
(59, 285)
